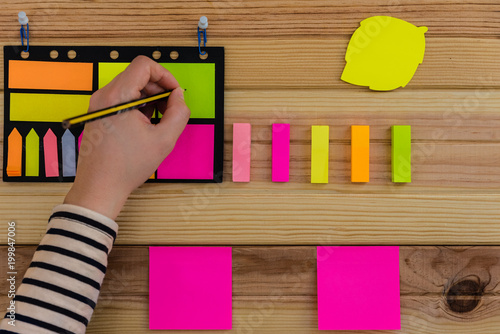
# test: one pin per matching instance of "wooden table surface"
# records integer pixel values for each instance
(283, 64)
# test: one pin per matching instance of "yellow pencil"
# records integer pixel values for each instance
(118, 109)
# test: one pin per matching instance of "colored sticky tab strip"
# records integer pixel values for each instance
(80, 137)
(281, 152)
(32, 154)
(401, 153)
(46, 107)
(197, 79)
(358, 288)
(192, 156)
(190, 288)
(14, 153)
(25, 74)
(50, 154)
(68, 154)
(241, 152)
(320, 135)
(360, 153)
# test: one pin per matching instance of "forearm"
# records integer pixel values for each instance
(60, 289)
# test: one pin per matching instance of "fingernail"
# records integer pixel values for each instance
(182, 93)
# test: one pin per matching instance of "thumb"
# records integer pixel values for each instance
(175, 117)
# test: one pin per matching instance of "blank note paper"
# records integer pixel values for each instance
(281, 153)
(358, 288)
(198, 139)
(319, 153)
(241, 152)
(190, 288)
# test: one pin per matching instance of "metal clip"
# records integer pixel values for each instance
(25, 33)
(202, 31)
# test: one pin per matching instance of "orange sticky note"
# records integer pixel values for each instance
(25, 74)
(14, 153)
(360, 153)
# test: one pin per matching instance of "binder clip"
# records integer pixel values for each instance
(202, 33)
(25, 33)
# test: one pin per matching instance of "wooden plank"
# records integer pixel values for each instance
(255, 18)
(443, 289)
(318, 63)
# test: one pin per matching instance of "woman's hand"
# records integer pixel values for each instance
(119, 153)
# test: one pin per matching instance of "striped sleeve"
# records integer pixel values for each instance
(59, 291)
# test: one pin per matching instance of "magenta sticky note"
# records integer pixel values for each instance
(80, 137)
(50, 155)
(358, 288)
(241, 152)
(192, 156)
(281, 152)
(190, 288)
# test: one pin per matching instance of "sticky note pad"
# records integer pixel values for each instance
(198, 140)
(28, 107)
(190, 288)
(68, 154)
(25, 74)
(319, 153)
(360, 153)
(401, 153)
(14, 153)
(281, 152)
(197, 79)
(384, 53)
(358, 288)
(241, 152)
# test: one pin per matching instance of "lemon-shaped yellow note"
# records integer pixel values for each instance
(384, 53)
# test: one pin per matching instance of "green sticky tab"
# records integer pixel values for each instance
(32, 153)
(197, 79)
(401, 153)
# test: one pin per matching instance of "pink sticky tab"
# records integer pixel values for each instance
(192, 156)
(80, 141)
(281, 152)
(50, 154)
(241, 152)
(190, 288)
(358, 288)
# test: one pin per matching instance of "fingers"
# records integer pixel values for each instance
(175, 117)
(143, 74)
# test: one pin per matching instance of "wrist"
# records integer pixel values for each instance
(96, 198)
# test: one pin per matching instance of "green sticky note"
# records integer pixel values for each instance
(401, 153)
(197, 79)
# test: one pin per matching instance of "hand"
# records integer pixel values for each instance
(119, 153)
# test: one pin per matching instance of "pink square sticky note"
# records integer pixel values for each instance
(190, 288)
(192, 156)
(358, 288)
(281, 152)
(241, 152)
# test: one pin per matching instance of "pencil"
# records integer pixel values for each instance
(118, 109)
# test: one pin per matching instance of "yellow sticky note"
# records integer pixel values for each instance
(32, 153)
(319, 153)
(46, 107)
(384, 53)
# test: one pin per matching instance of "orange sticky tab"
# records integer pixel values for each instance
(152, 177)
(50, 75)
(14, 153)
(360, 153)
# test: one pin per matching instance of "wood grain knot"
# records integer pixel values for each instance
(465, 295)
